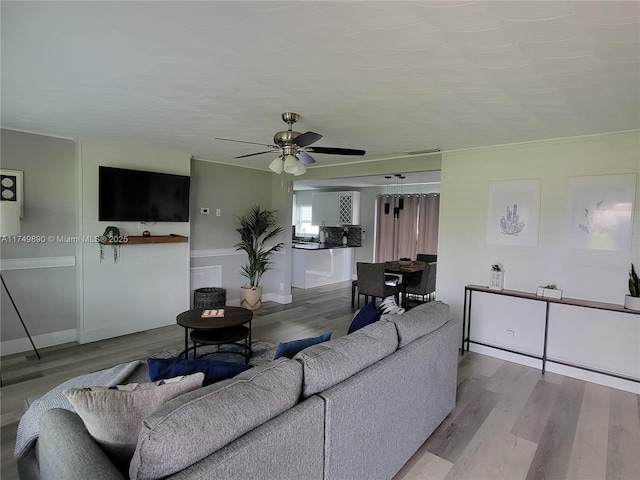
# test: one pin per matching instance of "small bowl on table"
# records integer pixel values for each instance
(405, 262)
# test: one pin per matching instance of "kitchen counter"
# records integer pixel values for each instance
(315, 265)
(318, 246)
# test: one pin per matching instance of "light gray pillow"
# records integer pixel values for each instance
(113, 416)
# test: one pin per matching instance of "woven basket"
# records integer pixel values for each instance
(211, 297)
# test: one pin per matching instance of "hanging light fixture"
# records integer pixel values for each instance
(386, 203)
(290, 164)
(396, 200)
(277, 165)
(301, 169)
(401, 199)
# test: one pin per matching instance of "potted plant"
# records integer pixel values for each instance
(257, 228)
(111, 236)
(632, 301)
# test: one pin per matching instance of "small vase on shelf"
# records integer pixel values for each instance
(344, 240)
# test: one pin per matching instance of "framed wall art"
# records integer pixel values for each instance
(514, 212)
(600, 212)
(11, 188)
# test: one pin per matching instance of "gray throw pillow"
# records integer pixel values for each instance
(113, 416)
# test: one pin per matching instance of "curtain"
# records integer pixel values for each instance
(428, 221)
(413, 231)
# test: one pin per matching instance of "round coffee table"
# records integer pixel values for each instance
(217, 330)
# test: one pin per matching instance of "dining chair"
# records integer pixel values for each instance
(425, 289)
(373, 282)
(426, 257)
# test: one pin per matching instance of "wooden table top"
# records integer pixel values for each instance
(395, 267)
(232, 316)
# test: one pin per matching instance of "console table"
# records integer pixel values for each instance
(466, 323)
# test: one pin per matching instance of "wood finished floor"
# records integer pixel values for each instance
(510, 421)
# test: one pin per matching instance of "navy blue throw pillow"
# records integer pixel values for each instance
(367, 314)
(289, 349)
(214, 370)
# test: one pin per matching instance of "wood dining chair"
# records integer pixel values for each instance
(373, 282)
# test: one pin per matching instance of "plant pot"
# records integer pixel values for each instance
(251, 298)
(632, 303)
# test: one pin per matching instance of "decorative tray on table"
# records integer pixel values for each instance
(216, 312)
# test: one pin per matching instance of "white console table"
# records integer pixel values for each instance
(466, 324)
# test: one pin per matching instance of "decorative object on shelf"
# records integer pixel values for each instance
(496, 279)
(257, 228)
(11, 188)
(549, 291)
(146, 233)
(632, 301)
(321, 236)
(345, 232)
(113, 236)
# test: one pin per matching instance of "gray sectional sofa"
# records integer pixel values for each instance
(356, 407)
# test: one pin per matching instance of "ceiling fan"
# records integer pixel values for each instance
(294, 148)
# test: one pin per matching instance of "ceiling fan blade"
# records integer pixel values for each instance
(307, 138)
(259, 153)
(306, 158)
(242, 141)
(336, 151)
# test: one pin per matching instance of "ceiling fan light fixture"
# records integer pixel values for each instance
(291, 164)
(277, 165)
(301, 169)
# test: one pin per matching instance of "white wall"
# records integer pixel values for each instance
(150, 284)
(465, 257)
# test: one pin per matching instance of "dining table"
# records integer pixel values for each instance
(407, 271)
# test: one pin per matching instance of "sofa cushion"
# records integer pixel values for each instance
(113, 416)
(214, 370)
(289, 349)
(419, 321)
(365, 316)
(193, 426)
(331, 362)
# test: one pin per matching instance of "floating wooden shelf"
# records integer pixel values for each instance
(139, 239)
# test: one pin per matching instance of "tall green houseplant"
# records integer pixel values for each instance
(257, 228)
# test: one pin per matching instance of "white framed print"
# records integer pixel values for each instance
(514, 212)
(600, 212)
(11, 188)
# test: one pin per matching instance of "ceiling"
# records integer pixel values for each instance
(387, 77)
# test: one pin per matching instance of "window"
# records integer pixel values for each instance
(303, 222)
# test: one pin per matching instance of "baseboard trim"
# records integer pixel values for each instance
(567, 371)
(20, 345)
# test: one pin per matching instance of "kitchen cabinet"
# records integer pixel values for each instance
(316, 267)
(333, 209)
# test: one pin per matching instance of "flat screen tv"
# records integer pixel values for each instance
(139, 196)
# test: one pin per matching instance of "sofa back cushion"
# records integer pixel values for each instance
(192, 426)
(419, 321)
(331, 362)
